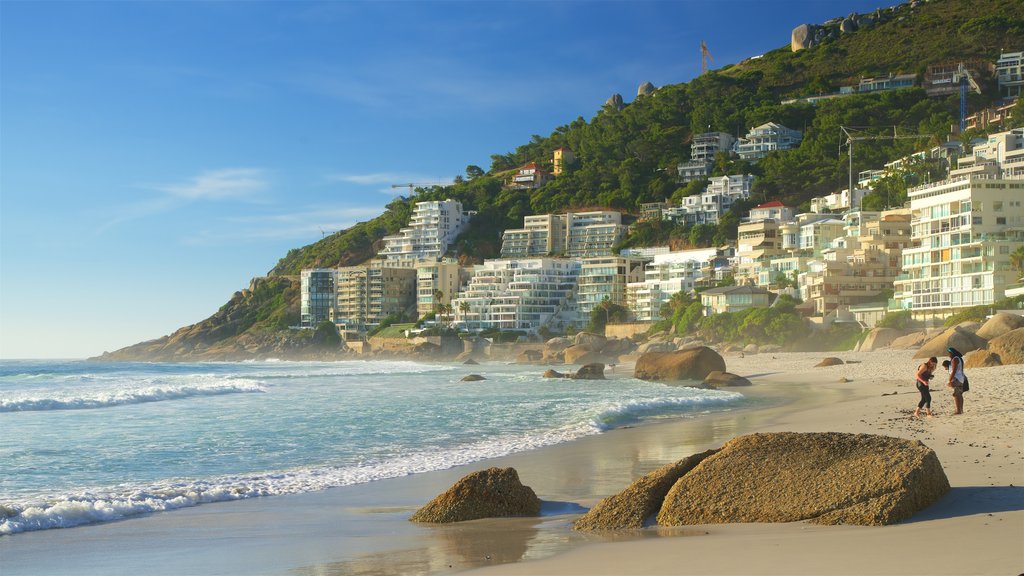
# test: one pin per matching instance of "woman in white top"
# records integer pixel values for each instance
(956, 379)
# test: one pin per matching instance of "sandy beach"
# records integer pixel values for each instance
(977, 528)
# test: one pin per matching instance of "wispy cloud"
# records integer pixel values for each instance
(246, 184)
(308, 224)
(231, 183)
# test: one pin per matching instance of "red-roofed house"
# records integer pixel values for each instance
(528, 177)
(773, 210)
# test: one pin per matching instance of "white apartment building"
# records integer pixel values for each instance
(702, 155)
(722, 192)
(541, 235)
(839, 201)
(605, 278)
(592, 233)
(316, 296)
(434, 226)
(519, 294)
(667, 275)
(767, 138)
(818, 235)
(964, 229)
(1010, 74)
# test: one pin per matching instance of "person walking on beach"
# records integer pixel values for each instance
(956, 379)
(925, 372)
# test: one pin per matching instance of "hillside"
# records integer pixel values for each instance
(627, 156)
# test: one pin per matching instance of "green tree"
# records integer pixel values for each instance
(605, 313)
(326, 334)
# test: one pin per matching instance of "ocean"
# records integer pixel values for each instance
(84, 443)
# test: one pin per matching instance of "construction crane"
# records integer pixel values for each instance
(964, 79)
(854, 133)
(705, 55)
(412, 186)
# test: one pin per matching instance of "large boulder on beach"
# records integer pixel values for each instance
(554, 349)
(825, 478)
(593, 341)
(529, 357)
(1000, 324)
(592, 371)
(549, 373)
(491, 493)
(640, 500)
(581, 354)
(879, 338)
(829, 361)
(1009, 347)
(692, 364)
(981, 359)
(717, 379)
(656, 346)
(618, 347)
(960, 337)
(912, 340)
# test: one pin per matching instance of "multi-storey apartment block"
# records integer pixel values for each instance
(317, 297)
(433, 228)
(1010, 74)
(722, 192)
(368, 293)
(767, 138)
(964, 229)
(541, 235)
(861, 266)
(817, 235)
(519, 294)
(437, 283)
(605, 278)
(702, 155)
(667, 275)
(575, 234)
(592, 233)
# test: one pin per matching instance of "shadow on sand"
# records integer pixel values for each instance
(972, 500)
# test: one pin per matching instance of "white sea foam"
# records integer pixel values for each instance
(104, 399)
(633, 411)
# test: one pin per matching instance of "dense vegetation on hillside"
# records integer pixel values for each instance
(627, 156)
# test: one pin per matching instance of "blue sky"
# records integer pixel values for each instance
(155, 156)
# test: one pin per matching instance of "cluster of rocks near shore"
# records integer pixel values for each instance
(996, 342)
(823, 478)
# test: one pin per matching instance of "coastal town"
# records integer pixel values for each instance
(955, 243)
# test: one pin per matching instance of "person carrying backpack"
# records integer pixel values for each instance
(957, 379)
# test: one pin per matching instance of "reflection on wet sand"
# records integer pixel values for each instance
(456, 547)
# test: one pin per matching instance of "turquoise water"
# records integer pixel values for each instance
(84, 442)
